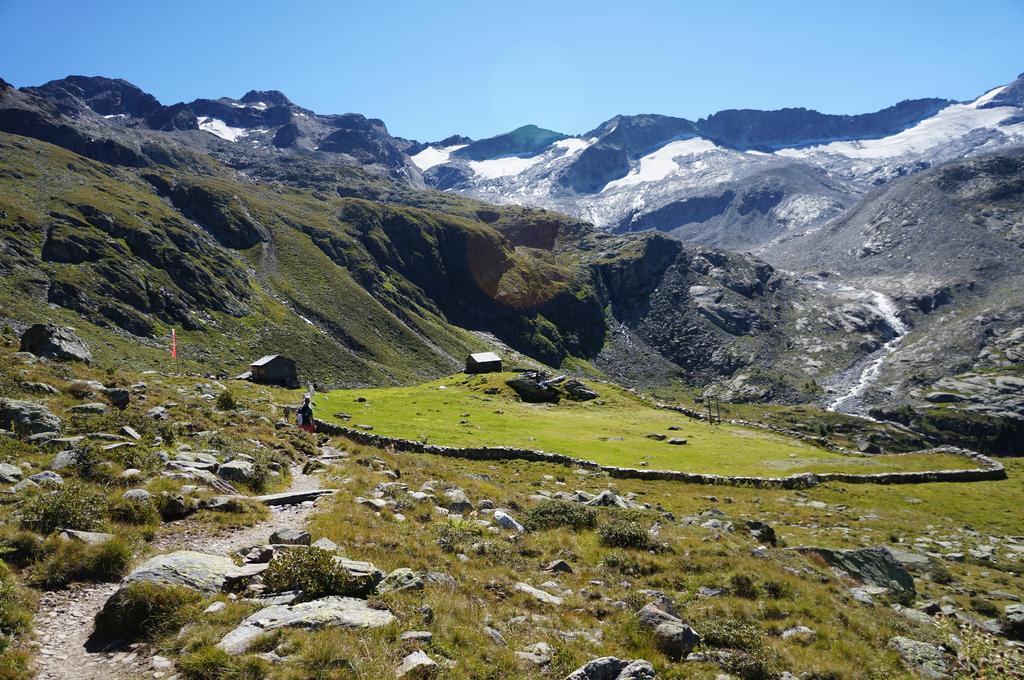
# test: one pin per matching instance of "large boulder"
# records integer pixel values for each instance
(327, 612)
(533, 390)
(416, 665)
(1013, 621)
(673, 637)
(923, 658)
(26, 417)
(55, 342)
(873, 566)
(399, 580)
(612, 668)
(198, 571)
(237, 470)
(577, 391)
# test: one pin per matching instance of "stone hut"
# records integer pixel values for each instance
(483, 362)
(274, 369)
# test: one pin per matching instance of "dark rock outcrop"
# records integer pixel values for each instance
(55, 342)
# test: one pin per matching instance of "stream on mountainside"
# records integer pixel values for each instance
(850, 385)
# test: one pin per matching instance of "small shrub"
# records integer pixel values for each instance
(627, 565)
(73, 506)
(22, 548)
(729, 633)
(553, 514)
(777, 590)
(743, 586)
(984, 607)
(207, 663)
(941, 575)
(226, 401)
(324, 656)
(145, 611)
(455, 535)
(311, 570)
(623, 533)
(135, 511)
(69, 561)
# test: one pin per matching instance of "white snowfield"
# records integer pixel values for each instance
(509, 166)
(954, 121)
(657, 166)
(434, 155)
(219, 128)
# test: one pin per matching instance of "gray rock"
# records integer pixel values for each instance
(416, 665)
(10, 474)
(536, 655)
(217, 606)
(558, 566)
(365, 574)
(64, 459)
(925, 659)
(92, 408)
(131, 432)
(538, 594)
(293, 497)
(612, 668)
(325, 544)
(47, 478)
(506, 521)
(577, 391)
(55, 342)
(495, 636)
(912, 561)
(672, 636)
(237, 470)
(38, 387)
(872, 566)
(423, 636)
(87, 537)
(327, 612)
(610, 499)
(1013, 621)
(198, 571)
(288, 536)
(27, 418)
(677, 441)
(456, 500)
(799, 633)
(157, 413)
(118, 396)
(24, 484)
(399, 580)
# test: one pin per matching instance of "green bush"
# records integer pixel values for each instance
(553, 514)
(455, 535)
(145, 611)
(211, 663)
(135, 511)
(984, 607)
(226, 401)
(22, 548)
(623, 533)
(15, 624)
(743, 586)
(68, 561)
(73, 506)
(311, 570)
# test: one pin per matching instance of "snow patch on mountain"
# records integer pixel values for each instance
(434, 155)
(504, 166)
(950, 123)
(660, 164)
(219, 128)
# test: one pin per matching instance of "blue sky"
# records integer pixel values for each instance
(434, 68)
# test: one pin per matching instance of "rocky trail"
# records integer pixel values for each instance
(65, 618)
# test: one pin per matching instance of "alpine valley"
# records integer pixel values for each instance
(871, 264)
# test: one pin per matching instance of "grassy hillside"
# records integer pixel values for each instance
(613, 430)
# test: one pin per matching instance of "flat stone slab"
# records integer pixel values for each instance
(293, 497)
(195, 570)
(544, 597)
(327, 612)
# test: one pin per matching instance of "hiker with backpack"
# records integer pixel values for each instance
(305, 416)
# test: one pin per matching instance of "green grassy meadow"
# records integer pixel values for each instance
(463, 410)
